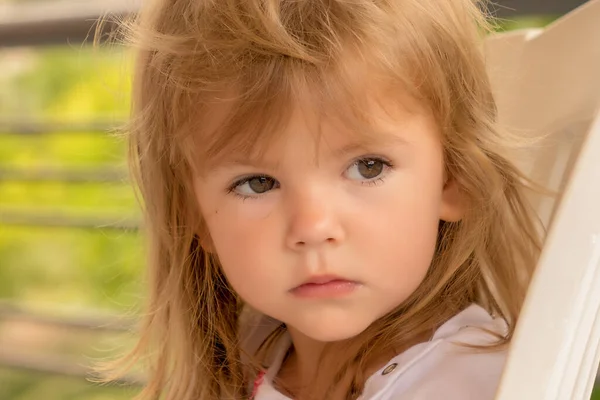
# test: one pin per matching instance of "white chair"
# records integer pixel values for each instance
(547, 82)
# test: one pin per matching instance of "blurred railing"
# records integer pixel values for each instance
(52, 364)
(59, 22)
(48, 364)
(67, 175)
(73, 23)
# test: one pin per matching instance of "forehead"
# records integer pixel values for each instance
(235, 130)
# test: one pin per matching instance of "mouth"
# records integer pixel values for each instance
(325, 286)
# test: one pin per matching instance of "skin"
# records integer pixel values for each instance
(323, 216)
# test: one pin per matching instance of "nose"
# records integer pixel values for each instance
(313, 222)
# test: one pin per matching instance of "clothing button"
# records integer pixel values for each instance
(389, 369)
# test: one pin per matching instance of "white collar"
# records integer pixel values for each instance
(473, 316)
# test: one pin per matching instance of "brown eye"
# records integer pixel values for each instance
(370, 168)
(261, 184)
(253, 186)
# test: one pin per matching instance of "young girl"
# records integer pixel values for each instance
(328, 211)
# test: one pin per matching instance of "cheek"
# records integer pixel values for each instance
(404, 229)
(239, 244)
(409, 244)
(407, 232)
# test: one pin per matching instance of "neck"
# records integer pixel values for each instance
(298, 370)
(298, 373)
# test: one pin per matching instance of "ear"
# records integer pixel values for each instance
(452, 207)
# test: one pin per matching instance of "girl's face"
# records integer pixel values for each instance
(358, 222)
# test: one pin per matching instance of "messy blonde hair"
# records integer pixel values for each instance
(190, 51)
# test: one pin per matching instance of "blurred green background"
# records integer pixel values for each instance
(64, 272)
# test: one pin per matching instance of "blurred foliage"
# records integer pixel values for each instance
(65, 83)
(62, 271)
(76, 268)
(57, 265)
(81, 149)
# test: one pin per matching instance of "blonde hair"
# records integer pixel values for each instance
(189, 52)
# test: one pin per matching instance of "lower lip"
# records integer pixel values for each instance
(336, 288)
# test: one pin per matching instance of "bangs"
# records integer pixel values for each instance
(245, 120)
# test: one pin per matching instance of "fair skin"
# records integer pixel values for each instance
(368, 215)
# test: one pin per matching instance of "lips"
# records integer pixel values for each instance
(325, 286)
(322, 279)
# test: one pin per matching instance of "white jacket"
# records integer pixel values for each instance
(437, 369)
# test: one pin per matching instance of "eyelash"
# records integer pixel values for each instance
(373, 182)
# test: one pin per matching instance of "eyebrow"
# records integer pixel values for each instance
(244, 162)
(388, 140)
(383, 140)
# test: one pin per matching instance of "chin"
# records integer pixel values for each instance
(332, 332)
